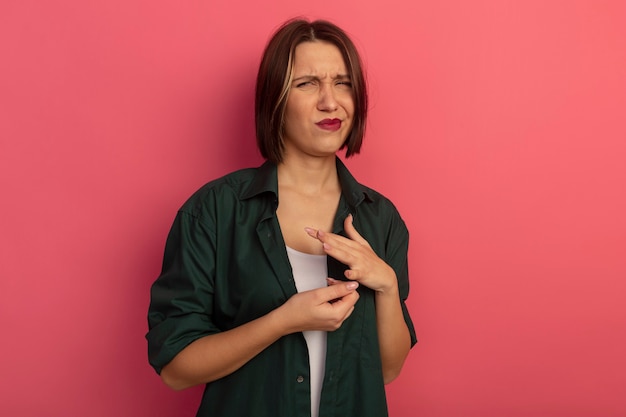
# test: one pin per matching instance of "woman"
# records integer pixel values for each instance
(283, 287)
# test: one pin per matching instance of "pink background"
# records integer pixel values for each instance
(497, 127)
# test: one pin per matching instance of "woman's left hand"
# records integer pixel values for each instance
(365, 266)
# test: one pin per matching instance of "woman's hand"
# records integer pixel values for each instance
(365, 266)
(369, 270)
(320, 309)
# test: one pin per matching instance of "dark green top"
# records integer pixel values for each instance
(225, 264)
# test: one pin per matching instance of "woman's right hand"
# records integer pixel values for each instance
(320, 309)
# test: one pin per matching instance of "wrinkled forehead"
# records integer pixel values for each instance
(319, 59)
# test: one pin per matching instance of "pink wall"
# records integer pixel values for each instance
(497, 127)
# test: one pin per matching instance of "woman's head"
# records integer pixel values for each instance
(275, 78)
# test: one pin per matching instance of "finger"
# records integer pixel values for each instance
(332, 281)
(324, 237)
(314, 233)
(345, 304)
(337, 291)
(351, 232)
(332, 241)
(351, 274)
(347, 252)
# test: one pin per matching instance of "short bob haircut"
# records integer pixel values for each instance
(275, 77)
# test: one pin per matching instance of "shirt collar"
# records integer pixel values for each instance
(353, 192)
(266, 181)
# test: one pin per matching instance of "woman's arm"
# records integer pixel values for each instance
(393, 335)
(214, 356)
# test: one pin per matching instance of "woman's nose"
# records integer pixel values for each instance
(327, 101)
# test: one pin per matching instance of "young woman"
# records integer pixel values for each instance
(283, 287)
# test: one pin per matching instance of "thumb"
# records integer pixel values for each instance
(337, 290)
(351, 231)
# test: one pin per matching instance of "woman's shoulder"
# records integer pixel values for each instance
(228, 183)
(234, 180)
(234, 186)
(379, 209)
(379, 203)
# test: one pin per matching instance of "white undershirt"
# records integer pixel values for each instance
(310, 272)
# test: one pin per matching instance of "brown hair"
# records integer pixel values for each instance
(274, 81)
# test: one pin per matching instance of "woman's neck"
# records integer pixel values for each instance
(313, 176)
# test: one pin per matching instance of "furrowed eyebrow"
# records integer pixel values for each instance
(341, 77)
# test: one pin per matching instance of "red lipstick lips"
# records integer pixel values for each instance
(330, 124)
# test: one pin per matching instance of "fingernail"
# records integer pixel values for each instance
(309, 231)
(352, 285)
(326, 246)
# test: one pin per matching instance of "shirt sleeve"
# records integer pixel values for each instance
(181, 297)
(397, 257)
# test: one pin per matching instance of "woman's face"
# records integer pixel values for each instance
(320, 108)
